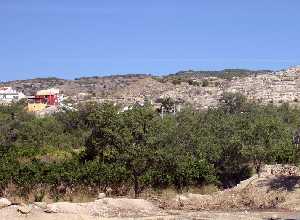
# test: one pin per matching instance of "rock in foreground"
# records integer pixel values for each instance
(106, 207)
(24, 209)
(4, 202)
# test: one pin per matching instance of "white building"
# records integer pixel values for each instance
(9, 95)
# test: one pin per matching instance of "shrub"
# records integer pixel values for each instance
(205, 83)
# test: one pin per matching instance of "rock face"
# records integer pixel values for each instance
(4, 203)
(281, 170)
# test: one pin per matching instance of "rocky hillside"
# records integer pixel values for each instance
(96, 86)
(202, 89)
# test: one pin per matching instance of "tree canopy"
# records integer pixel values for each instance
(99, 145)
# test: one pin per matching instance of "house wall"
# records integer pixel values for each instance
(8, 98)
(49, 99)
(35, 107)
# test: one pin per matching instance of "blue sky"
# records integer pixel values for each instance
(68, 39)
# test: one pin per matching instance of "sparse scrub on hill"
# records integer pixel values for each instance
(97, 146)
(193, 83)
(205, 83)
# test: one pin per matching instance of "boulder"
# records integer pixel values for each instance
(106, 207)
(67, 207)
(24, 209)
(108, 191)
(4, 203)
(101, 196)
(181, 198)
(139, 205)
(41, 205)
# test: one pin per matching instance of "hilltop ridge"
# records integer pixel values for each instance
(201, 89)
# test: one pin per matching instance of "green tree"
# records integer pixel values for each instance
(138, 151)
(126, 138)
(265, 139)
(168, 104)
(106, 132)
(233, 103)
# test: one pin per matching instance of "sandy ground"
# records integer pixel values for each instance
(10, 213)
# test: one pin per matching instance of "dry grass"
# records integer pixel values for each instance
(47, 194)
(255, 194)
(204, 190)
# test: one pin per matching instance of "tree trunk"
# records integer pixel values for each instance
(136, 185)
(258, 167)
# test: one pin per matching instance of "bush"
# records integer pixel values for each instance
(205, 83)
(98, 146)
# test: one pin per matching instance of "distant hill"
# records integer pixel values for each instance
(226, 73)
(201, 89)
(94, 85)
(104, 85)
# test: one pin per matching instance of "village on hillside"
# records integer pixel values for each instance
(265, 88)
(43, 102)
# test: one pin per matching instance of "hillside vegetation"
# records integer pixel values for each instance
(98, 147)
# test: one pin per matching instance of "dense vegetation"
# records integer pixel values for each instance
(99, 146)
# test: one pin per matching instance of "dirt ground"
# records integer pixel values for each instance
(10, 213)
